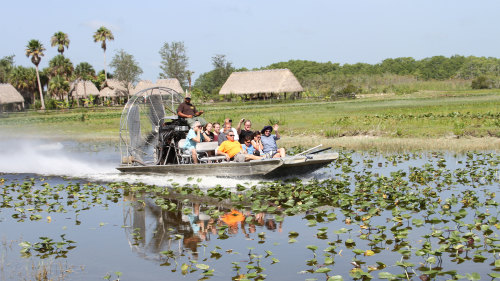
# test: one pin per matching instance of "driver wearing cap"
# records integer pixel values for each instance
(188, 111)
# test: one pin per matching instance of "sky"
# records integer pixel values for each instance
(254, 33)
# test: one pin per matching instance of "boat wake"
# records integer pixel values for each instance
(38, 157)
(77, 160)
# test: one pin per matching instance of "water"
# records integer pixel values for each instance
(130, 235)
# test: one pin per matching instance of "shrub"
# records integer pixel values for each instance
(349, 91)
(482, 82)
(333, 133)
(403, 89)
(36, 105)
(51, 104)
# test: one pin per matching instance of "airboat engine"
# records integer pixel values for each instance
(147, 135)
(168, 138)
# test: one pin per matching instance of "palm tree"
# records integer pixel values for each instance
(24, 80)
(35, 49)
(59, 86)
(85, 71)
(101, 35)
(60, 39)
(6, 66)
(59, 65)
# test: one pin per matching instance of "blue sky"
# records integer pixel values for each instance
(255, 33)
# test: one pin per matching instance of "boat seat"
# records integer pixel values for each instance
(206, 146)
(203, 150)
(208, 159)
(184, 157)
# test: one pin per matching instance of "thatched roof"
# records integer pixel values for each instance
(171, 83)
(263, 81)
(143, 84)
(83, 89)
(9, 94)
(114, 88)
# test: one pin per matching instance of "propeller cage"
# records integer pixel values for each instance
(150, 128)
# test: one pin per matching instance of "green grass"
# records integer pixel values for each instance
(427, 115)
(424, 115)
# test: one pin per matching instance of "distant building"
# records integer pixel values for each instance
(143, 84)
(171, 83)
(10, 98)
(80, 89)
(113, 88)
(262, 84)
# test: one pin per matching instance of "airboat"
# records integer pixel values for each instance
(151, 138)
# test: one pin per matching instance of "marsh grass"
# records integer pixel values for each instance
(383, 144)
(388, 121)
(37, 270)
(48, 271)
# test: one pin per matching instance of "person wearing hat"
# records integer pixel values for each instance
(193, 137)
(269, 142)
(188, 111)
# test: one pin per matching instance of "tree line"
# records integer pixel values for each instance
(318, 78)
(400, 75)
(436, 67)
(57, 77)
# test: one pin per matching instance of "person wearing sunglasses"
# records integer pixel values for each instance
(223, 134)
(269, 142)
(193, 137)
(233, 150)
(188, 110)
(230, 122)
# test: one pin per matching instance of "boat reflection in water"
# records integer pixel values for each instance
(152, 230)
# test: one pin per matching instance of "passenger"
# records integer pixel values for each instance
(247, 129)
(233, 150)
(188, 111)
(216, 131)
(193, 137)
(247, 145)
(226, 121)
(257, 144)
(207, 132)
(269, 142)
(223, 134)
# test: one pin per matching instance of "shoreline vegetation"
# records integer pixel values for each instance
(457, 121)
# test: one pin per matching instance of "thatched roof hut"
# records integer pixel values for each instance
(171, 83)
(143, 84)
(9, 94)
(83, 89)
(113, 88)
(273, 81)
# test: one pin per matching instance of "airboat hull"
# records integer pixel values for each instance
(288, 166)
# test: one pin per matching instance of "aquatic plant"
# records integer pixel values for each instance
(412, 222)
